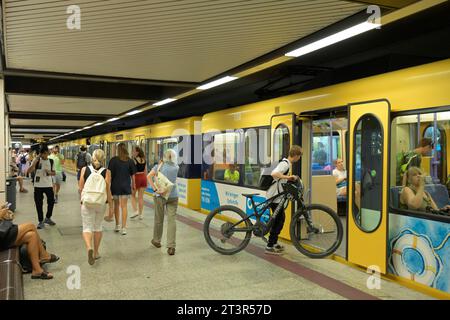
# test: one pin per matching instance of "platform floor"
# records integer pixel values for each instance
(131, 268)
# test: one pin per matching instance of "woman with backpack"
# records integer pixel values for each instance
(95, 189)
(123, 183)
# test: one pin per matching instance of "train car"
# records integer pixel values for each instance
(69, 150)
(370, 124)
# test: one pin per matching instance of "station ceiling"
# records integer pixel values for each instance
(132, 53)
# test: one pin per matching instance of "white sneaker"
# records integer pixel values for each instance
(124, 231)
(135, 215)
(141, 217)
(117, 229)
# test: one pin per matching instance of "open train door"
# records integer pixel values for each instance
(368, 184)
(284, 134)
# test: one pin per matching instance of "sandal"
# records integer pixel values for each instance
(91, 259)
(44, 276)
(53, 258)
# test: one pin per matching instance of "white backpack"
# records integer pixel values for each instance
(94, 191)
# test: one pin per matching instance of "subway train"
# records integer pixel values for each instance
(368, 123)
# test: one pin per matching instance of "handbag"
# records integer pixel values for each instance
(5, 226)
(163, 183)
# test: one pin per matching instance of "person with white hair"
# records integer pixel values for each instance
(169, 168)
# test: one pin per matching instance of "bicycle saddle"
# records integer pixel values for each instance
(250, 195)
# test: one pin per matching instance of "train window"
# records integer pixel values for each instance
(256, 154)
(281, 142)
(327, 144)
(420, 174)
(368, 169)
(226, 149)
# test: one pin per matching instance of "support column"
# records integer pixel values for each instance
(4, 137)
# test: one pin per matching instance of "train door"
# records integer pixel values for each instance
(284, 135)
(325, 151)
(368, 184)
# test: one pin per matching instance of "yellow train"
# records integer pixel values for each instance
(369, 123)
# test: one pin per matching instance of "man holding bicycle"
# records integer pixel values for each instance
(280, 176)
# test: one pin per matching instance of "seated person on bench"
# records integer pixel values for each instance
(414, 196)
(12, 235)
(341, 178)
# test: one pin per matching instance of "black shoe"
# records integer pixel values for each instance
(40, 225)
(49, 222)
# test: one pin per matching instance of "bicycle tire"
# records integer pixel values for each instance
(208, 236)
(296, 239)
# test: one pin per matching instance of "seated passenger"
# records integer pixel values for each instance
(13, 235)
(414, 196)
(231, 174)
(341, 178)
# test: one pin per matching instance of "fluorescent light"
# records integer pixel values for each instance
(85, 128)
(133, 112)
(216, 83)
(98, 124)
(327, 41)
(113, 119)
(165, 101)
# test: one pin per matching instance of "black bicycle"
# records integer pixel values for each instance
(315, 230)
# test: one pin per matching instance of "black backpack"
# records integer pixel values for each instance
(266, 180)
(81, 160)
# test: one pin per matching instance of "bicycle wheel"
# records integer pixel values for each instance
(316, 232)
(221, 232)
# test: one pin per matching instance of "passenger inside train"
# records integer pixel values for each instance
(341, 178)
(231, 174)
(414, 196)
(421, 173)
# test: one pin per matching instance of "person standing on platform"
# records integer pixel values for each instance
(44, 170)
(95, 189)
(141, 182)
(58, 160)
(83, 159)
(169, 168)
(123, 172)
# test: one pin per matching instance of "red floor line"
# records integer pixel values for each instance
(318, 278)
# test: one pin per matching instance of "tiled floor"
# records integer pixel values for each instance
(130, 268)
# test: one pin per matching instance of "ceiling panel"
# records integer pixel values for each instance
(190, 40)
(49, 123)
(52, 104)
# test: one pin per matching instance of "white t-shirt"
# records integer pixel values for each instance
(41, 178)
(340, 174)
(276, 187)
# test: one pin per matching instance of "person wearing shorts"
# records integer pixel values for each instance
(123, 172)
(141, 182)
(58, 160)
(92, 215)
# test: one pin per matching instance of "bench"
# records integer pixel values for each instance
(11, 283)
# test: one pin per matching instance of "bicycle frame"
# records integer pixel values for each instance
(258, 213)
